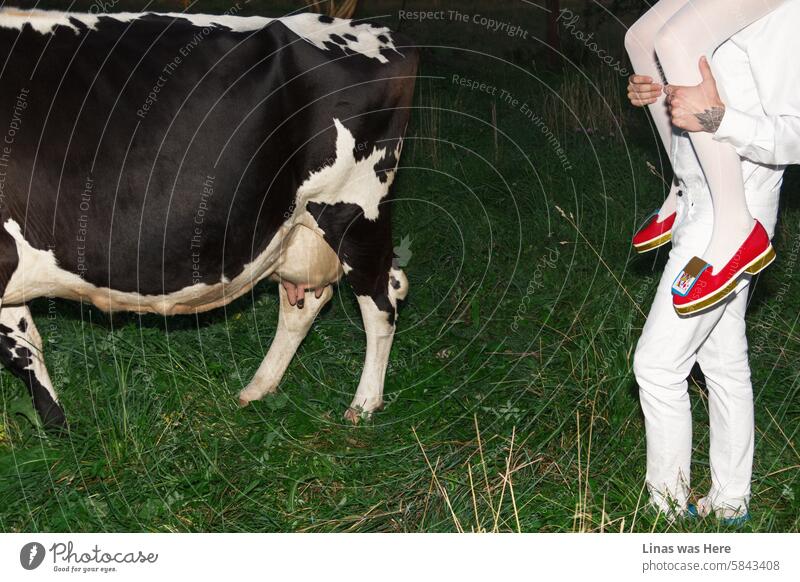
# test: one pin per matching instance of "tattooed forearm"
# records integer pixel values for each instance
(711, 118)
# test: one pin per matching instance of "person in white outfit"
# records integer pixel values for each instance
(761, 96)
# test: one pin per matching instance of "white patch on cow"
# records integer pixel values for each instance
(38, 275)
(305, 25)
(43, 21)
(235, 23)
(367, 43)
(398, 286)
(29, 339)
(347, 180)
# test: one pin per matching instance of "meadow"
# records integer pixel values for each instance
(510, 400)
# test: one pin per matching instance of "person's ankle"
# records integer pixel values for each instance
(743, 226)
(672, 512)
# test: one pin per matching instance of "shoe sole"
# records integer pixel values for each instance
(735, 521)
(693, 514)
(653, 243)
(754, 267)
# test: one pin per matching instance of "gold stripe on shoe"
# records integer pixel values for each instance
(753, 268)
(709, 301)
(761, 263)
(654, 243)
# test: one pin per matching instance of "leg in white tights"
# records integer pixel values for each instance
(640, 45)
(696, 30)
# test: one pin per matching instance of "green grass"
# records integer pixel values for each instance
(510, 402)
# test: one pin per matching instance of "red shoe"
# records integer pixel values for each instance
(696, 289)
(653, 234)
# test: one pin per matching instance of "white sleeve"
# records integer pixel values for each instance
(765, 139)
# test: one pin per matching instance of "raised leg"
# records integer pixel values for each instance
(21, 354)
(293, 325)
(640, 45)
(696, 30)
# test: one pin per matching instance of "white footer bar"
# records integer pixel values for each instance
(407, 557)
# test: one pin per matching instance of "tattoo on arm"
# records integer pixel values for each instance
(711, 118)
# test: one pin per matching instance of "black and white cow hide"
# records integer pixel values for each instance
(167, 163)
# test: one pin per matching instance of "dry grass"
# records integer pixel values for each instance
(429, 123)
(588, 102)
(486, 498)
(341, 9)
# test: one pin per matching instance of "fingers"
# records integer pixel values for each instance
(678, 113)
(683, 119)
(674, 94)
(645, 87)
(641, 99)
(635, 79)
(705, 70)
(682, 122)
(642, 91)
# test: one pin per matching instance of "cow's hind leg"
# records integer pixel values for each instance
(378, 293)
(379, 314)
(365, 249)
(293, 325)
(21, 353)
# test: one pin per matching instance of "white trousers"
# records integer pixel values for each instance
(667, 350)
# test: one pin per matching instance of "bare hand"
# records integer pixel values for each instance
(697, 108)
(642, 91)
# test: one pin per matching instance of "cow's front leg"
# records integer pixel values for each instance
(21, 354)
(379, 313)
(293, 325)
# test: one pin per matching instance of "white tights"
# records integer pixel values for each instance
(675, 34)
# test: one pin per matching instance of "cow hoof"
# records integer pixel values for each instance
(356, 414)
(54, 420)
(353, 415)
(254, 392)
(60, 429)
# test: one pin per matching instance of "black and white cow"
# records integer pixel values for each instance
(166, 163)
